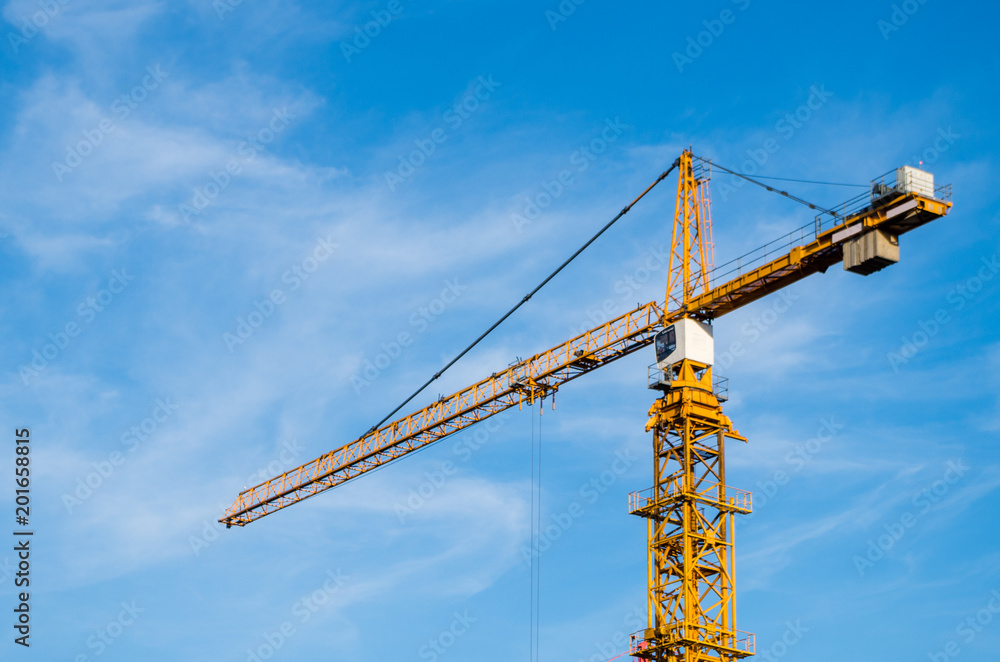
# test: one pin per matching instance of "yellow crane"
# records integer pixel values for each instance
(689, 509)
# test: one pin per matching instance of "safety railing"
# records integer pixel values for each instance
(656, 378)
(737, 641)
(720, 386)
(733, 497)
(881, 186)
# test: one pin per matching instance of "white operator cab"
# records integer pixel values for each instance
(684, 339)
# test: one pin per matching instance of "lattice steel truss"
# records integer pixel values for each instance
(688, 295)
(691, 254)
(690, 513)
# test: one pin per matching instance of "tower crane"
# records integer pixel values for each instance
(690, 511)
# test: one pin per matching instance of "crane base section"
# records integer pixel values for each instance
(690, 522)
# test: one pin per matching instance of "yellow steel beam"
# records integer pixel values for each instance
(522, 382)
(823, 249)
(544, 372)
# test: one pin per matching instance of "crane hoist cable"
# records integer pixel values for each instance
(769, 188)
(528, 296)
(532, 548)
(536, 538)
(810, 181)
(538, 524)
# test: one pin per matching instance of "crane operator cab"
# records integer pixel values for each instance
(684, 339)
(666, 343)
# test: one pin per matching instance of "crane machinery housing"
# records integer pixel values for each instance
(690, 510)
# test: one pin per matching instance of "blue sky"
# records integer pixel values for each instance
(169, 170)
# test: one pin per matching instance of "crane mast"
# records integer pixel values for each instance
(689, 509)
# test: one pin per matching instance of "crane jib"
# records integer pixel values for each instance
(812, 249)
(522, 382)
